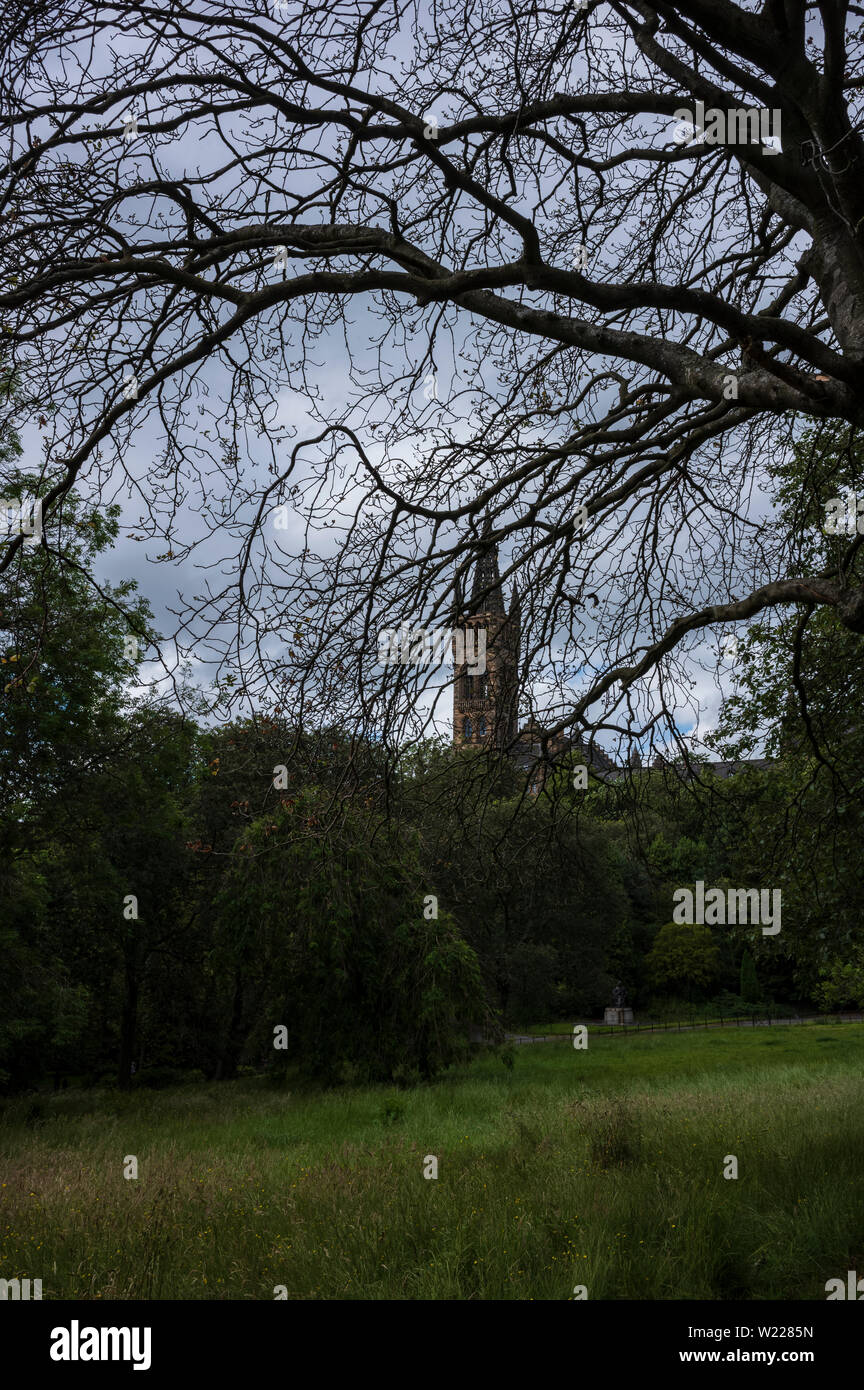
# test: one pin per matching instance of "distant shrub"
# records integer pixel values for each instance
(392, 1111)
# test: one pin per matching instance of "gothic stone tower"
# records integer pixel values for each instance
(486, 705)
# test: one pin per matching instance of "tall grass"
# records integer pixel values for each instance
(601, 1168)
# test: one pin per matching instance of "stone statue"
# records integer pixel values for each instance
(619, 1011)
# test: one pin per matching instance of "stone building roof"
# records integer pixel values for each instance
(527, 755)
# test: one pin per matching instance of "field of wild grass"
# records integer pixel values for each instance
(601, 1168)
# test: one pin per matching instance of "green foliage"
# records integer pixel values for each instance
(62, 665)
(842, 983)
(392, 1111)
(302, 905)
(532, 886)
(800, 684)
(683, 956)
(612, 1130)
(326, 927)
(750, 991)
(523, 1206)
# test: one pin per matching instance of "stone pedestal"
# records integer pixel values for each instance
(618, 1016)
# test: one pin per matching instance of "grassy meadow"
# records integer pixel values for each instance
(601, 1168)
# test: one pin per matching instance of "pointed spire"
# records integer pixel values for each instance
(458, 600)
(515, 605)
(486, 594)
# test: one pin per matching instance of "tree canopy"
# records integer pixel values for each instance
(502, 285)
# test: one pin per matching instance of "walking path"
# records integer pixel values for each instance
(633, 1028)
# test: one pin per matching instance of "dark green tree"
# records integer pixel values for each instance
(749, 986)
(329, 931)
(683, 956)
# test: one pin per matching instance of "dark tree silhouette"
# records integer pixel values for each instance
(384, 273)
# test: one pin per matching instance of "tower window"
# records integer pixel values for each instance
(481, 727)
(467, 729)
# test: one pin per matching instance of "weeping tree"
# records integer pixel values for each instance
(334, 960)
